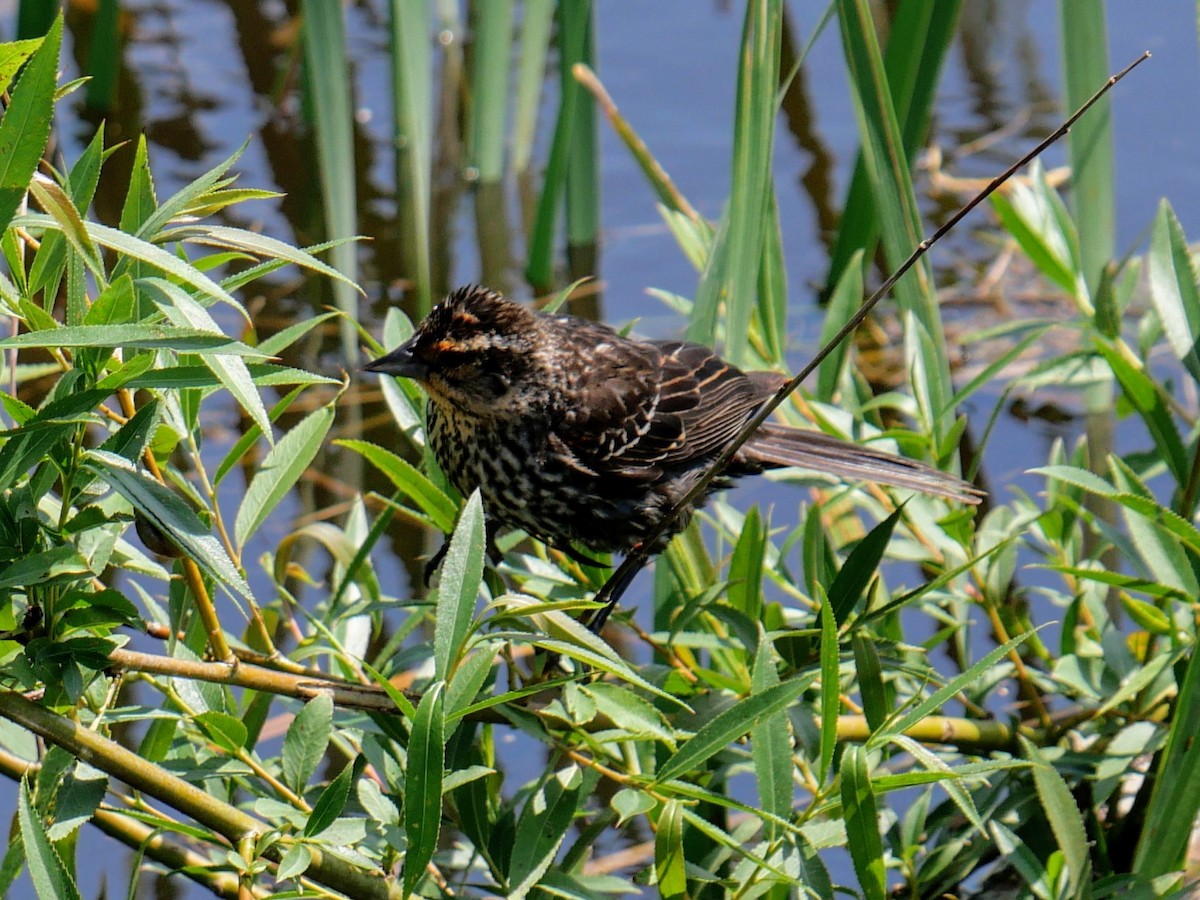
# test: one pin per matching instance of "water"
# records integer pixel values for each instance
(200, 77)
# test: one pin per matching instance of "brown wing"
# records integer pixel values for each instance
(644, 409)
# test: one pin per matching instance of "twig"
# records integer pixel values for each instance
(227, 821)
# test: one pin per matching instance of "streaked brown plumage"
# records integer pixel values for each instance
(574, 433)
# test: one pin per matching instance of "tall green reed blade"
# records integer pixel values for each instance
(574, 22)
(900, 225)
(489, 85)
(537, 16)
(104, 57)
(583, 160)
(1175, 800)
(1090, 143)
(920, 35)
(34, 18)
(327, 73)
(413, 128)
(732, 273)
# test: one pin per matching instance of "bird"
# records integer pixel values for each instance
(580, 436)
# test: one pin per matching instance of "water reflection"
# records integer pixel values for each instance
(197, 84)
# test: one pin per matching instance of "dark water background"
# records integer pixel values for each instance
(199, 77)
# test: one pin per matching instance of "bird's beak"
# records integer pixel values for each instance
(401, 361)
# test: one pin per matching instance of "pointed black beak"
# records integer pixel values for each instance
(401, 361)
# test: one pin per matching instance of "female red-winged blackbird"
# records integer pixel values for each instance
(574, 433)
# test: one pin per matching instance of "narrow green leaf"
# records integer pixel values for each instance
(423, 785)
(280, 471)
(669, 856)
(545, 819)
(25, 128)
(327, 76)
(1175, 800)
(746, 567)
(462, 573)
(137, 249)
(891, 182)
(843, 303)
(856, 575)
(409, 480)
(306, 740)
(831, 687)
(862, 824)
(731, 724)
(1065, 821)
(223, 730)
(1173, 288)
(870, 681)
(771, 744)
(935, 700)
(134, 337)
(1147, 397)
(170, 515)
(1022, 859)
(332, 802)
(1090, 140)
(184, 311)
(46, 870)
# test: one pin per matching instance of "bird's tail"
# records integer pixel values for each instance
(776, 446)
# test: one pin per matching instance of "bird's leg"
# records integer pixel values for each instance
(611, 593)
(490, 528)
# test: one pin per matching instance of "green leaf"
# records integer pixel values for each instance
(183, 310)
(327, 71)
(1090, 140)
(935, 700)
(831, 687)
(46, 870)
(294, 863)
(1173, 288)
(843, 303)
(170, 515)
(132, 248)
(862, 823)
(731, 724)
(855, 576)
(13, 55)
(1065, 821)
(770, 743)
(746, 567)
(135, 337)
(628, 802)
(332, 802)
(280, 471)
(306, 740)
(223, 730)
(545, 819)
(25, 128)
(408, 479)
(423, 785)
(462, 572)
(669, 856)
(1175, 800)
(1147, 397)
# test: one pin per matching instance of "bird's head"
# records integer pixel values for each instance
(475, 351)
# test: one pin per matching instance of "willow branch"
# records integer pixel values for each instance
(227, 821)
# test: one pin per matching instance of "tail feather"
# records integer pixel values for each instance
(774, 446)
